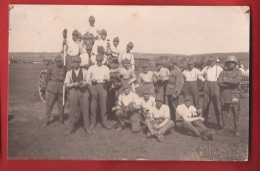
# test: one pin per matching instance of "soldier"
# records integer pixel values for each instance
(211, 89)
(73, 49)
(147, 103)
(127, 109)
(161, 76)
(99, 76)
(77, 82)
(101, 51)
(145, 79)
(54, 82)
(126, 54)
(92, 29)
(114, 48)
(103, 41)
(189, 119)
(190, 87)
(174, 88)
(159, 121)
(228, 82)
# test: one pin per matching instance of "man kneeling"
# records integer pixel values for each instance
(189, 119)
(127, 109)
(158, 119)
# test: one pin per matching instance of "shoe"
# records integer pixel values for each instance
(148, 135)
(92, 126)
(121, 128)
(61, 120)
(208, 135)
(69, 132)
(107, 126)
(160, 137)
(88, 131)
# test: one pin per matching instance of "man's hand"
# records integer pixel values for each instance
(202, 119)
(155, 126)
(93, 80)
(76, 84)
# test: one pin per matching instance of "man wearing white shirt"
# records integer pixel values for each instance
(100, 50)
(147, 102)
(77, 82)
(189, 119)
(127, 109)
(190, 87)
(126, 54)
(114, 48)
(145, 79)
(99, 75)
(211, 89)
(159, 121)
(102, 42)
(92, 29)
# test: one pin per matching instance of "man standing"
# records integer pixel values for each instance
(101, 42)
(92, 29)
(54, 82)
(114, 48)
(159, 121)
(101, 51)
(211, 89)
(228, 82)
(161, 77)
(126, 54)
(174, 88)
(99, 76)
(189, 119)
(77, 83)
(147, 102)
(127, 109)
(145, 79)
(190, 87)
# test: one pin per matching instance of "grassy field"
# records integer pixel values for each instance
(27, 139)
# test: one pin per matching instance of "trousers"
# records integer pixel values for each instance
(172, 103)
(52, 98)
(225, 109)
(195, 127)
(191, 88)
(134, 118)
(211, 94)
(165, 128)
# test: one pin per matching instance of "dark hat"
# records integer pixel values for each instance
(99, 57)
(190, 62)
(90, 36)
(114, 61)
(159, 97)
(158, 62)
(101, 49)
(126, 85)
(91, 18)
(58, 58)
(116, 39)
(103, 32)
(125, 61)
(130, 45)
(75, 32)
(187, 97)
(76, 59)
(146, 91)
(89, 47)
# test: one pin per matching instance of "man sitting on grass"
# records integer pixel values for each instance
(189, 119)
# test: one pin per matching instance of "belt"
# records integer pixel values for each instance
(57, 80)
(147, 83)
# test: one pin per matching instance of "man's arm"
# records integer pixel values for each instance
(166, 117)
(179, 83)
(200, 77)
(47, 76)
(235, 80)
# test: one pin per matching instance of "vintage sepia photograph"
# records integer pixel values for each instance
(116, 82)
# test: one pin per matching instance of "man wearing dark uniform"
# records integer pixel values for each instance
(54, 82)
(228, 82)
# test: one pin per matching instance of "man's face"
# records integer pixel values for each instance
(159, 66)
(190, 66)
(74, 37)
(103, 36)
(76, 64)
(188, 102)
(99, 62)
(59, 64)
(231, 65)
(115, 43)
(126, 91)
(85, 41)
(146, 97)
(126, 65)
(158, 104)
(91, 23)
(89, 51)
(91, 41)
(145, 69)
(212, 63)
(114, 65)
(128, 49)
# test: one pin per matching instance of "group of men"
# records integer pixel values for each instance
(95, 69)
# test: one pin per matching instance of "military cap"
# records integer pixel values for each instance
(212, 59)
(103, 32)
(146, 91)
(89, 47)
(76, 59)
(75, 32)
(90, 36)
(126, 85)
(79, 35)
(125, 61)
(58, 58)
(91, 18)
(187, 97)
(116, 39)
(100, 49)
(190, 62)
(232, 58)
(99, 57)
(130, 45)
(159, 97)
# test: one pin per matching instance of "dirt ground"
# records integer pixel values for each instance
(27, 139)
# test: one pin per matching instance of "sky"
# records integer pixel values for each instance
(183, 30)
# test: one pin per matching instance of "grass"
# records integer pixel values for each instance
(27, 139)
